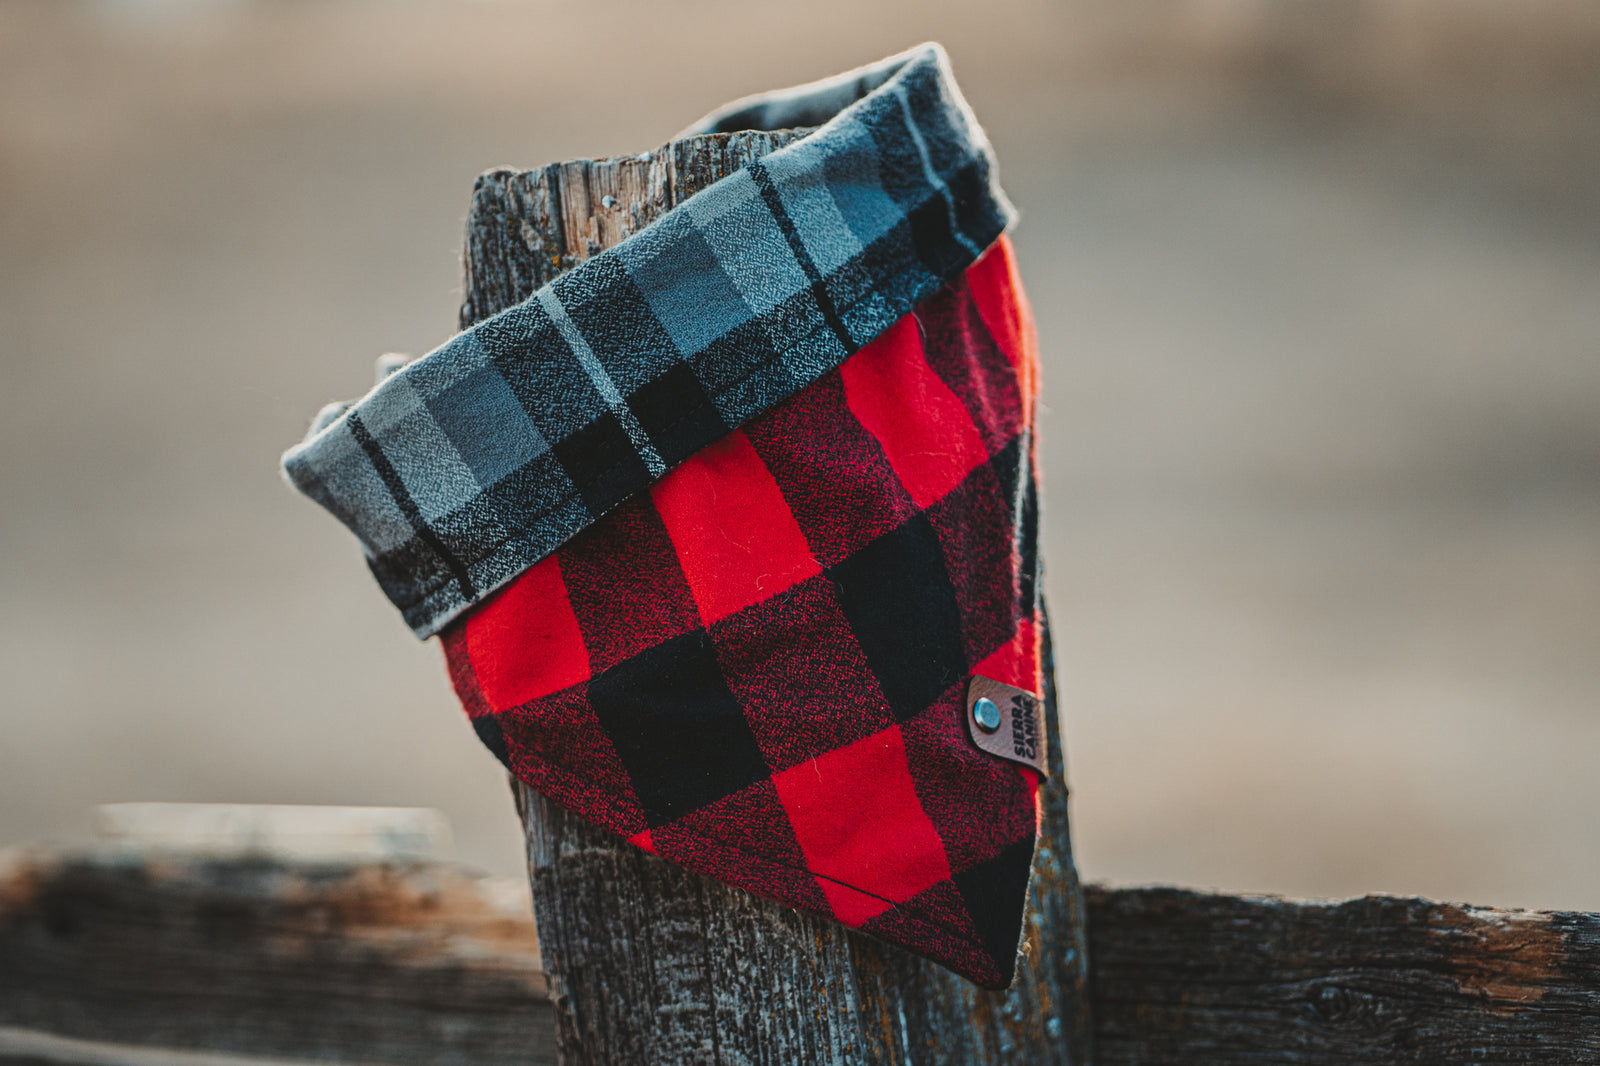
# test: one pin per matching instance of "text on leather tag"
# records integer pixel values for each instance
(1009, 722)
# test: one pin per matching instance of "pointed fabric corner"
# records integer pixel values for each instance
(759, 668)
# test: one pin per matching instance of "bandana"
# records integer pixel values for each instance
(730, 531)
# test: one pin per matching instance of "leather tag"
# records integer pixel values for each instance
(1008, 722)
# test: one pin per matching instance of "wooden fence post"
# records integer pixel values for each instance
(649, 963)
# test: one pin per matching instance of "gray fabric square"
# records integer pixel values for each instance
(433, 472)
(692, 298)
(342, 479)
(433, 378)
(752, 251)
(487, 425)
(855, 188)
(388, 405)
(802, 183)
(544, 374)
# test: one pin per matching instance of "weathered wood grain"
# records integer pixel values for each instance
(377, 964)
(424, 964)
(1186, 977)
(651, 963)
(526, 227)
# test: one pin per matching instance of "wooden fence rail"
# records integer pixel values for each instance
(127, 962)
(1188, 977)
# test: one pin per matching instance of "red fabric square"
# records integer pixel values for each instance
(1002, 303)
(795, 665)
(736, 540)
(1016, 662)
(864, 833)
(463, 678)
(525, 642)
(923, 426)
(851, 906)
(954, 779)
(961, 350)
(627, 590)
(997, 289)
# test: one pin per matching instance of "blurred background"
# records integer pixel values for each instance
(1319, 288)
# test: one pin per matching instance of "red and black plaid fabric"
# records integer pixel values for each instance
(758, 667)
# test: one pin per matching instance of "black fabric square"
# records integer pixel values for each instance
(900, 172)
(902, 608)
(974, 208)
(930, 232)
(677, 414)
(996, 893)
(1014, 468)
(513, 505)
(602, 463)
(677, 728)
(747, 350)
(615, 319)
(1028, 546)
(1008, 467)
(494, 738)
(887, 275)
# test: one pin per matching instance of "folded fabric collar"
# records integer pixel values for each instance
(469, 465)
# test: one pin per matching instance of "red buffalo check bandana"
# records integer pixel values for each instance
(802, 654)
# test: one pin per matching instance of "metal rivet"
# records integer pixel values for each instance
(986, 714)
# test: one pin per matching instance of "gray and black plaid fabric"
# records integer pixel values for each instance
(469, 465)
